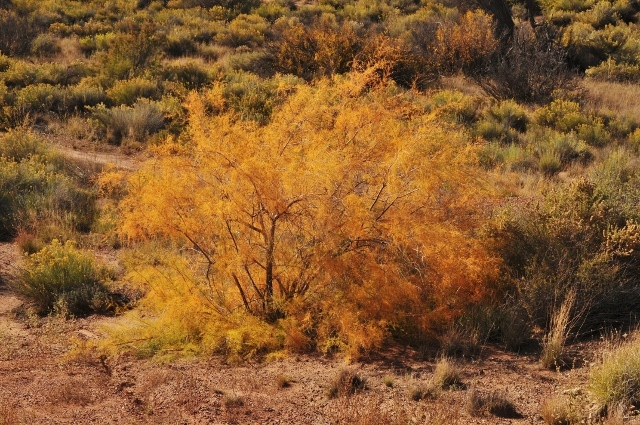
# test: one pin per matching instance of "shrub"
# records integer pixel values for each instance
(493, 403)
(324, 48)
(503, 123)
(446, 375)
(16, 33)
(346, 383)
(577, 237)
(560, 410)
(127, 92)
(610, 70)
(62, 279)
(45, 45)
(136, 122)
(616, 377)
(562, 115)
(594, 133)
(527, 69)
(245, 30)
(192, 73)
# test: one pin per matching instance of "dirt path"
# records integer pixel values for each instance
(101, 158)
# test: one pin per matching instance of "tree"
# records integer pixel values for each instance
(350, 200)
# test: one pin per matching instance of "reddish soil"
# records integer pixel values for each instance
(40, 383)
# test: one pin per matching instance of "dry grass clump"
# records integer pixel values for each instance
(616, 378)
(553, 347)
(446, 375)
(70, 391)
(346, 383)
(494, 403)
(365, 410)
(231, 400)
(283, 381)
(560, 411)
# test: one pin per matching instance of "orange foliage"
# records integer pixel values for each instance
(465, 43)
(351, 213)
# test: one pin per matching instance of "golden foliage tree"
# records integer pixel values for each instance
(349, 214)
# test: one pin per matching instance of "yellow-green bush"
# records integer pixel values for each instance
(64, 280)
(616, 377)
(127, 92)
(561, 115)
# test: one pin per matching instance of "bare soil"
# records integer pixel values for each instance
(41, 383)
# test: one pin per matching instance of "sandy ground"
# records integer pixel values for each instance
(40, 383)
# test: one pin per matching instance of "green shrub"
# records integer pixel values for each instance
(594, 133)
(127, 92)
(45, 45)
(191, 73)
(634, 140)
(245, 30)
(503, 123)
(579, 236)
(550, 163)
(455, 106)
(38, 98)
(136, 122)
(610, 70)
(20, 144)
(62, 279)
(616, 378)
(561, 115)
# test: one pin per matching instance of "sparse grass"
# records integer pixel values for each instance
(388, 381)
(616, 378)
(493, 403)
(560, 411)
(346, 383)
(232, 400)
(447, 375)
(71, 391)
(553, 347)
(283, 381)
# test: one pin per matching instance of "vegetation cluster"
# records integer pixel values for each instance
(331, 176)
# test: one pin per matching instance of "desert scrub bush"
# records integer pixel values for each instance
(245, 30)
(561, 115)
(503, 122)
(45, 45)
(62, 279)
(16, 32)
(526, 69)
(615, 379)
(190, 72)
(610, 70)
(561, 410)
(575, 242)
(493, 403)
(346, 383)
(324, 48)
(137, 122)
(350, 128)
(127, 92)
(35, 189)
(454, 106)
(446, 375)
